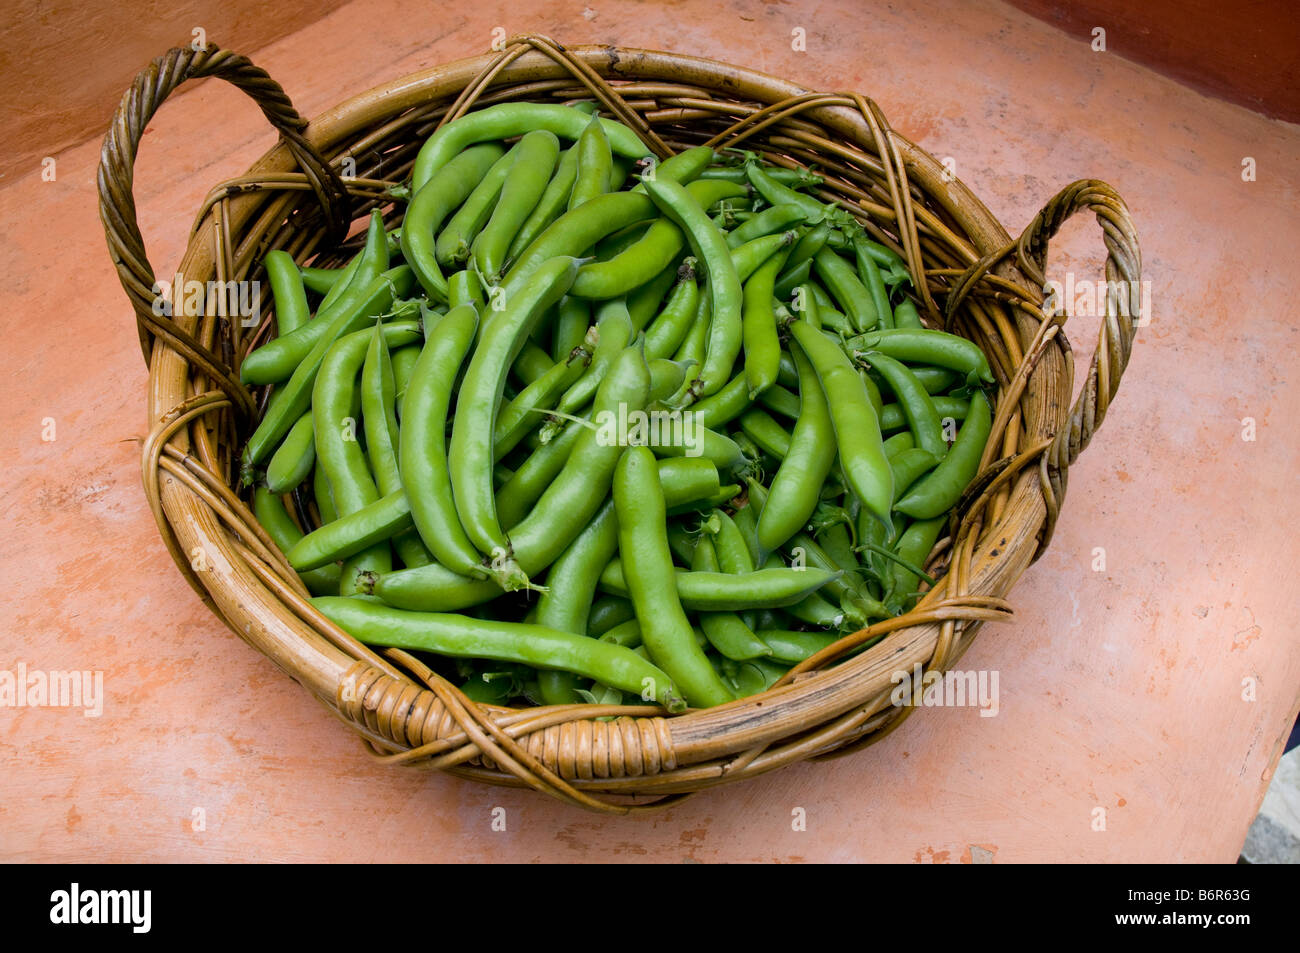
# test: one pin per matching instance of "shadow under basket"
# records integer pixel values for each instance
(304, 196)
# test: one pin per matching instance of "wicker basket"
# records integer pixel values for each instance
(971, 278)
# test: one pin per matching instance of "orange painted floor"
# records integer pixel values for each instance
(1121, 689)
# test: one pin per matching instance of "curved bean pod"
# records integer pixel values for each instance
(506, 120)
(723, 592)
(710, 248)
(777, 194)
(570, 590)
(338, 450)
(276, 360)
(724, 405)
(534, 645)
(918, 406)
(808, 245)
(292, 463)
(608, 612)
(530, 171)
(470, 451)
(528, 408)
(909, 466)
(926, 346)
(553, 203)
(770, 221)
(452, 246)
(937, 493)
(422, 442)
(643, 546)
(284, 532)
(892, 416)
(463, 287)
(634, 266)
(752, 255)
(595, 164)
(572, 319)
(566, 506)
(761, 343)
(842, 282)
(684, 167)
(287, 291)
(789, 646)
(361, 529)
(666, 378)
(875, 284)
(667, 331)
(613, 334)
(857, 429)
(914, 546)
(379, 419)
(431, 205)
(726, 631)
(322, 280)
(576, 231)
(294, 399)
(797, 485)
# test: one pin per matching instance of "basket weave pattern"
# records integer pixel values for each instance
(971, 277)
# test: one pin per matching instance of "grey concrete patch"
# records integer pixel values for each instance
(1268, 842)
(1274, 837)
(1282, 801)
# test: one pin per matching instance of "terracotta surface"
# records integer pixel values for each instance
(1247, 52)
(1120, 689)
(67, 62)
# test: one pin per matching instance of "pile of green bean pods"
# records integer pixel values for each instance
(589, 427)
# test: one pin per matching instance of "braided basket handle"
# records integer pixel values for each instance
(117, 211)
(1122, 316)
(1124, 300)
